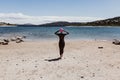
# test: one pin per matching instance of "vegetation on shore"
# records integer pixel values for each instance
(107, 22)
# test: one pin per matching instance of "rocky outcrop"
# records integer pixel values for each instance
(6, 24)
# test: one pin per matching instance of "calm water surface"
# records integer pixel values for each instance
(84, 33)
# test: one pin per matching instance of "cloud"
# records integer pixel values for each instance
(20, 18)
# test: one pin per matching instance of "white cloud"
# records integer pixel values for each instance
(20, 18)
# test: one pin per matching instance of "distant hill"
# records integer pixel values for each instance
(60, 23)
(26, 25)
(107, 22)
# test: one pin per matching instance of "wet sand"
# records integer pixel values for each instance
(82, 60)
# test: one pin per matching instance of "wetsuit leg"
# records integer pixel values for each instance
(61, 48)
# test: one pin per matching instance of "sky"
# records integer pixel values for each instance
(44, 11)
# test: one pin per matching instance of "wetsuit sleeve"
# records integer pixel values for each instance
(67, 32)
(56, 32)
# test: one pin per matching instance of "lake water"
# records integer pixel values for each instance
(83, 33)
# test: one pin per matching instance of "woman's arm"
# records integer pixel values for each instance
(67, 32)
(56, 32)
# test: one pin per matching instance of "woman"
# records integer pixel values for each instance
(61, 34)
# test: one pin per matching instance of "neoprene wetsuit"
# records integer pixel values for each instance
(61, 36)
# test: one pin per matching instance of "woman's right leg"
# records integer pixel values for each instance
(61, 48)
(61, 53)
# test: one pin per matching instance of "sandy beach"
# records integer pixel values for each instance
(82, 60)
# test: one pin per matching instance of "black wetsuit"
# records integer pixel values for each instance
(61, 40)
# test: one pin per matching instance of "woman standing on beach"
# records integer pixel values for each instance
(61, 34)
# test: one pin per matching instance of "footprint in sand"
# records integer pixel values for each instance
(35, 66)
(93, 74)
